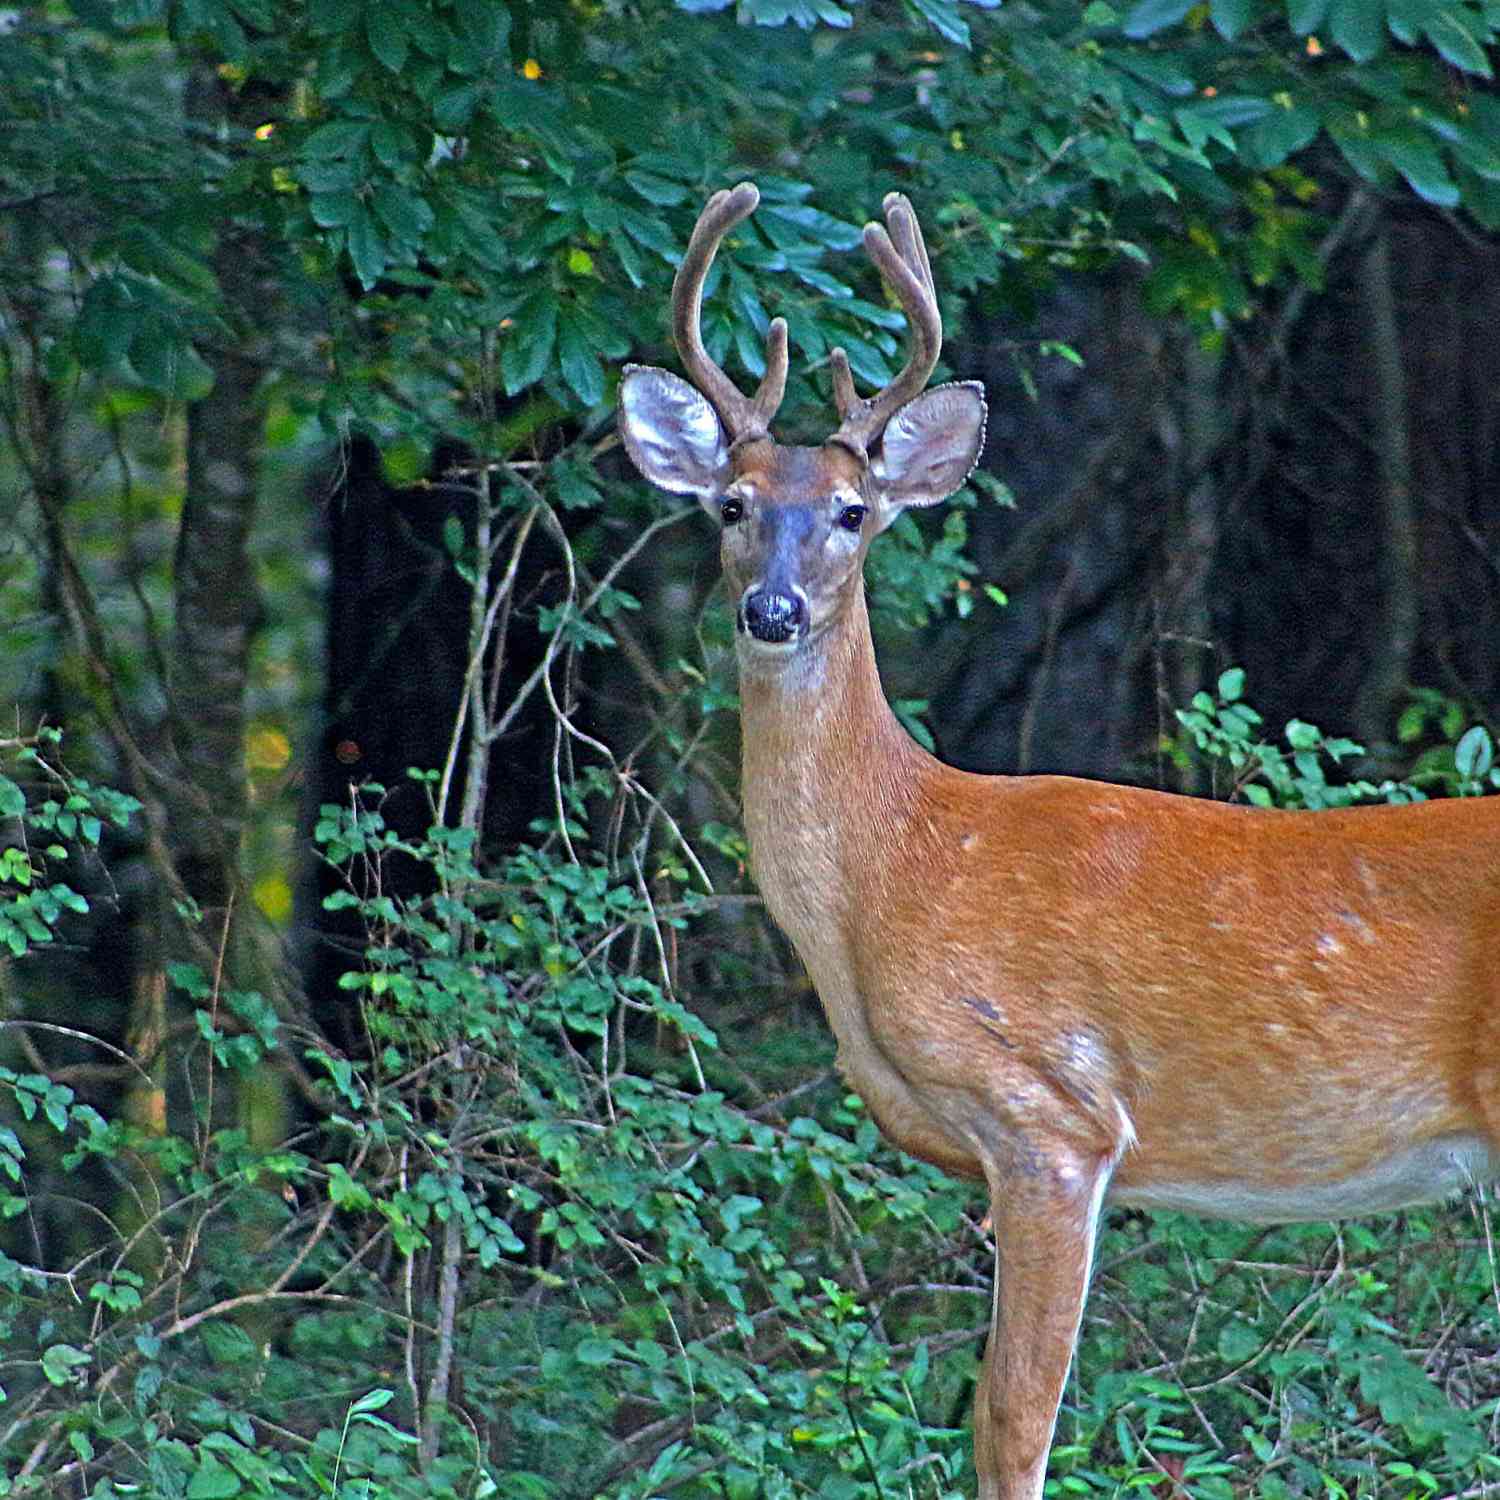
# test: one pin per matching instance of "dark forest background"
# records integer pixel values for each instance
(401, 1090)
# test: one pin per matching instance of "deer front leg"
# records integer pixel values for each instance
(1044, 1214)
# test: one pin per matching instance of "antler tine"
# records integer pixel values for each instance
(743, 417)
(901, 255)
(906, 232)
(772, 385)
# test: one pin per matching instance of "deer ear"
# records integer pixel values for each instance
(929, 447)
(672, 434)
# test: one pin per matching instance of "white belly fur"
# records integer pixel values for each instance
(1424, 1173)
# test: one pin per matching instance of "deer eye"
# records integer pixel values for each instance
(852, 517)
(731, 510)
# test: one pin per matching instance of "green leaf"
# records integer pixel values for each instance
(106, 322)
(1358, 27)
(260, 13)
(595, 1352)
(1233, 110)
(333, 210)
(580, 366)
(1449, 32)
(1482, 199)
(1474, 754)
(385, 31)
(1473, 148)
(118, 15)
(943, 17)
(629, 259)
(1407, 18)
(654, 189)
(55, 1105)
(372, 1401)
(454, 105)
(529, 341)
(1280, 134)
(337, 175)
(1419, 162)
(393, 144)
(160, 259)
(810, 222)
(339, 138)
(1150, 16)
(1306, 16)
(738, 1207)
(1159, 71)
(1231, 17)
(486, 24)
(190, 979)
(1212, 119)
(60, 1361)
(1237, 1342)
(367, 249)
(405, 462)
(211, 21)
(909, 711)
(662, 1467)
(167, 363)
(227, 1343)
(12, 799)
(1458, 35)
(212, 1480)
(648, 230)
(1358, 148)
(803, 13)
(407, 215)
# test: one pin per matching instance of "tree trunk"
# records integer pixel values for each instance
(217, 606)
(1394, 633)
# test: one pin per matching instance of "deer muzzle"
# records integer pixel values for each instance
(774, 608)
(774, 616)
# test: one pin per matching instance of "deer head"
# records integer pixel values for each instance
(797, 521)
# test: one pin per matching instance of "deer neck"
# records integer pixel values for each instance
(828, 776)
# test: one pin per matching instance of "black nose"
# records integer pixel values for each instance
(773, 617)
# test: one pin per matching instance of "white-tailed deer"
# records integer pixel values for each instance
(1078, 993)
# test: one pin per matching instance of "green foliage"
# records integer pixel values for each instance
(1452, 753)
(665, 1252)
(1225, 729)
(631, 1219)
(1302, 1351)
(471, 167)
(664, 1216)
(61, 810)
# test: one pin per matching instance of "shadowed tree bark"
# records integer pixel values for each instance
(216, 605)
(1318, 506)
(1397, 611)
